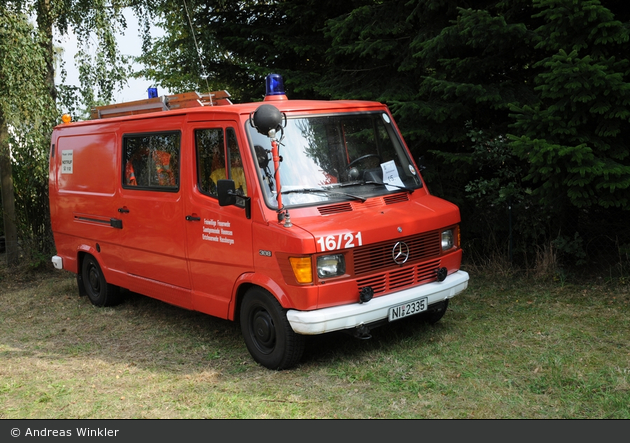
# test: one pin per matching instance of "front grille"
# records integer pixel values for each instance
(378, 256)
(401, 277)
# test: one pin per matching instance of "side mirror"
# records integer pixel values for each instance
(229, 197)
(227, 192)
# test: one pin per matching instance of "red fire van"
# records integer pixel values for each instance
(293, 217)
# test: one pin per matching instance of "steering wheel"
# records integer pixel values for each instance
(363, 157)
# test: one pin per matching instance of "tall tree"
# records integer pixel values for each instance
(29, 80)
(23, 105)
(574, 137)
(459, 75)
(240, 43)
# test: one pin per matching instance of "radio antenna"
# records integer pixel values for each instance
(203, 68)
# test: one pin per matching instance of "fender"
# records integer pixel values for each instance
(261, 280)
(75, 264)
(94, 253)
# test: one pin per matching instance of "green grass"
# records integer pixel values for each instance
(505, 349)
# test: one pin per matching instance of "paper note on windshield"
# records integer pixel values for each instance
(390, 176)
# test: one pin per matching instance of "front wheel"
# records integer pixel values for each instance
(267, 332)
(95, 286)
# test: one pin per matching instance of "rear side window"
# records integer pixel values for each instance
(151, 161)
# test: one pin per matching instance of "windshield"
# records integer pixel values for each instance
(335, 158)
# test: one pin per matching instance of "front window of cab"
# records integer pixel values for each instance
(333, 158)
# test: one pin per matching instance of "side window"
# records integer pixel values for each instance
(151, 161)
(212, 160)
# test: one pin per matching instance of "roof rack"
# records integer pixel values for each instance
(164, 103)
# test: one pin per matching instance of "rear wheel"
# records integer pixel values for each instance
(267, 332)
(95, 286)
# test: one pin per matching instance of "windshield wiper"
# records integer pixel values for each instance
(404, 188)
(322, 191)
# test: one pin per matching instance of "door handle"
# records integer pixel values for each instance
(123, 210)
(193, 218)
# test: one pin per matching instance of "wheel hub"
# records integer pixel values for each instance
(264, 330)
(94, 280)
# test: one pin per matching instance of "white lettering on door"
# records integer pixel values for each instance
(214, 231)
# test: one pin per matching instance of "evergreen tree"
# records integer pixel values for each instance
(459, 76)
(575, 136)
(218, 44)
(435, 63)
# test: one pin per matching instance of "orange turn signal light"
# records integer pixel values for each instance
(302, 269)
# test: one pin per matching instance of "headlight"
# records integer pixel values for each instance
(447, 240)
(331, 266)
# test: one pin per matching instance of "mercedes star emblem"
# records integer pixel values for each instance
(400, 253)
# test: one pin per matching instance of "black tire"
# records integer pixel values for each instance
(268, 335)
(95, 286)
(436, 312)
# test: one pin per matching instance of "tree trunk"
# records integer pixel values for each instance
(45, 25)
(8, 196)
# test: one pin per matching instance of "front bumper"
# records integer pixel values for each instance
(337, 318)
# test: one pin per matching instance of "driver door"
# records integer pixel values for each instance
(219, 238)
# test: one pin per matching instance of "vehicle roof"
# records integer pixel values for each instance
(287, 106)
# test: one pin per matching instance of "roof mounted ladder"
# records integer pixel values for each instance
(164, 103)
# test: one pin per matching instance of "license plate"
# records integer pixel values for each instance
(410, 308)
